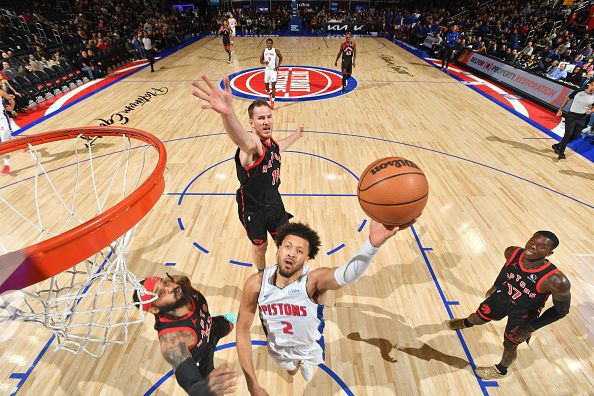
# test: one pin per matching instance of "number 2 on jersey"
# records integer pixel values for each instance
(288, 327)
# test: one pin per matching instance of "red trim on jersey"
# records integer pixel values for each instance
(478, 312)
(545, 277)
(181, 328)
(542, 267)
(513, 255)
(162, 319)
(259, 159)
(510, 339)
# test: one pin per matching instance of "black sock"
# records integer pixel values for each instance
(502, 369)
(344, 79)
(467, 323)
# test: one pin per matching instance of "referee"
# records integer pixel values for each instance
(576, 118)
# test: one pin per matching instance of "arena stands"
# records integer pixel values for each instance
(63, 44)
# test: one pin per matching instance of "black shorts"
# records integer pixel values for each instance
(498, 305)
(258, 222)
(347, 66)
(220, 328)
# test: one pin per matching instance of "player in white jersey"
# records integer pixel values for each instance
(290, 297)
(272, 59)
(232, 24)
(7, 126)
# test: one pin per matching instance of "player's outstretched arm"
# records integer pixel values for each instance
(222, 102)
(245, 318)
(334, 278)
(287, 142)
(174, 347)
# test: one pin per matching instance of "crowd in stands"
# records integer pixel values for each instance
(59, 45)
(47, 50)
(542, 37)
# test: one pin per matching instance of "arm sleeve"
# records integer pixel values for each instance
(349, 273)
(188, 377)
(200, 389)
(553, 314)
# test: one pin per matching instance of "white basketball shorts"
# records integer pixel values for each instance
(269, 76)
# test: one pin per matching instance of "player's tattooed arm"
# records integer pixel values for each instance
(175, 346)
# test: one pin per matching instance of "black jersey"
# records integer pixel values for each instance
(522, 286)
(226, 33)
(348, 50)
(260, 181)
(198, 322)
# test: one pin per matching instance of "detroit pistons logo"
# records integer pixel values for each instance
(293, 83)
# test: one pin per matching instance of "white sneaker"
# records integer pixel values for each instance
(307, 370)
(587, 129)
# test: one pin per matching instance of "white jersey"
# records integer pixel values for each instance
(7, 126)
(232, 24)
(270, 56)
(289, 317)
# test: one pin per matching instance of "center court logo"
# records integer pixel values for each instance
(293, 83)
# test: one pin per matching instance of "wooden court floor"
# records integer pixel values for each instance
(489, 188)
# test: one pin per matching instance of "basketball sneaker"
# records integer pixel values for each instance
(489, 373)
(307, 370)
(455, 324)
(555, 148)
(229, 316)
(5, 169)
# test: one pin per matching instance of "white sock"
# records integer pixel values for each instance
(7, 160)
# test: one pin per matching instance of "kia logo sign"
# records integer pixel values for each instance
(343, 27)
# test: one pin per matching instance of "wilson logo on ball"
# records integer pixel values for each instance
(396, 163)
(293, 83)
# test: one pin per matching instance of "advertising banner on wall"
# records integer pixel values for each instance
(543, 89)
(339, 27)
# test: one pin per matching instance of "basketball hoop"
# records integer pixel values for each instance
(82, 288)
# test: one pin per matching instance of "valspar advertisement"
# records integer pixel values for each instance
(538, 87)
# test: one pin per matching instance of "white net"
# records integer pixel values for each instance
(90, 305)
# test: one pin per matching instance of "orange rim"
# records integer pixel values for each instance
(55, 255)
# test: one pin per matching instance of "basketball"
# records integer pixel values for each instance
(393, 191)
